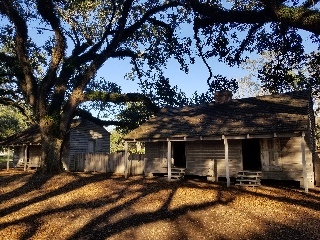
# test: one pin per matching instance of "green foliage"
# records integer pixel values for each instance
(117, 143)
(235, 31)
(11, 121)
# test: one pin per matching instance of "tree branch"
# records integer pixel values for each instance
(297, 17)
(28, 83)
(120, 36)
(88, 116)
(47, 11)
(246, 41)
(310, 3)
(169, 30)
(120, 98)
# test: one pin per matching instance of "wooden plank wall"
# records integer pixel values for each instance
(155, 157)
(203, 158)
(317, 169)
(80, 137)
(207, 158)
(18, 156)
(109, 162)
(34, 156)
(292, 162)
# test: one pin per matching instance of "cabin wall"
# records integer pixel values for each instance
(207, 158)
(290, 162)
(18, 156)
(87, 138)
(317, 169)
(203, 158)
(155, 157)
(33, 156)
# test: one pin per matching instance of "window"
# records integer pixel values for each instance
(98, 145)
(91, 145)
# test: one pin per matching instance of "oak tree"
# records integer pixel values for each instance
(52, 50)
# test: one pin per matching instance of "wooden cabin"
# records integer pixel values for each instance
(84, 139)
(274, 135)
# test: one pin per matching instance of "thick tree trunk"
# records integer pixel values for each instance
(51, 144)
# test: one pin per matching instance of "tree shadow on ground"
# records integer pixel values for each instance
(128, 193)
(100, 227)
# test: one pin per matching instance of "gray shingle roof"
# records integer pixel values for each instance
(277, 113)
(30, 136)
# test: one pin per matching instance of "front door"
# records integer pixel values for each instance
(179, 155)
(251, 157)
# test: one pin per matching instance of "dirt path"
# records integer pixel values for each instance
(97, 206)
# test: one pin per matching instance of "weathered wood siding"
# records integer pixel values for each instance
(281, 159)
(290, 162)
(156, 157)
(87, 138)
(33, 156)
(136, 164)
(207, 158)
(116, 163)
(203, 158)
(91, 162)
(18, 156)
(109, 162)
(317, 169)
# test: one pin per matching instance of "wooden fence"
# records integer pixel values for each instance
(112, 163)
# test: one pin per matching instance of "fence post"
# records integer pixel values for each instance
(126, 159)
(8, 159)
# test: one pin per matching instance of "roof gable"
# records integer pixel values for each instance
(31, 136)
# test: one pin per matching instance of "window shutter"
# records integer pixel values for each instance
(264, 154)
(270, 154)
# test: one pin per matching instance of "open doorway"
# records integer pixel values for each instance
(251, 158)
(179, 154)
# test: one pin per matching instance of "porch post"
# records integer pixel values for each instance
(169, 160)
(304, 164)
(126, 159)
(226, 156)
(8, 158)
(25, 157)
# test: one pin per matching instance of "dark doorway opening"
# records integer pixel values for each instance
(28, 154)
(179, 154)
(251, 154)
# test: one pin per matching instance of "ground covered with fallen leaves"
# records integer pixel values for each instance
(100, 206)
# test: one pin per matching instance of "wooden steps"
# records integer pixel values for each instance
(176, 173)
(249, 178)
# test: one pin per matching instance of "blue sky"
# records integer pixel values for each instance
(195, 80)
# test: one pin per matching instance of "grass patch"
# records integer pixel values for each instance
(5, 158)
